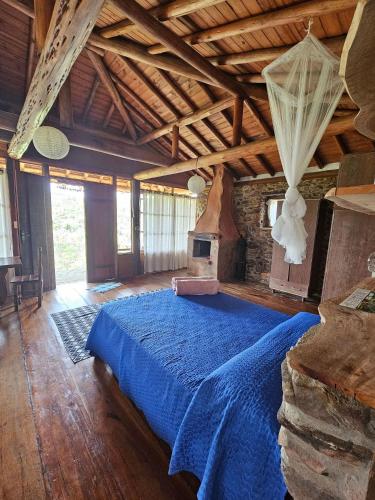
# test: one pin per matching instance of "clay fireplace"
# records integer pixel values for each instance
(213, 243)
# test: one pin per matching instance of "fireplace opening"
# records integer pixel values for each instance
(202, 248)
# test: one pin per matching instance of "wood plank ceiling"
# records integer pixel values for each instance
(153, 97)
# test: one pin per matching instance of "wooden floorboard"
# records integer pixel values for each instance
(66, 430)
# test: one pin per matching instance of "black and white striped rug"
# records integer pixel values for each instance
(74, 325)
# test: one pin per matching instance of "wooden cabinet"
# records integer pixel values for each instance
(306, 278)
(353, 233)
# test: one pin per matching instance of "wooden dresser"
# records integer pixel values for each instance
(305, 278)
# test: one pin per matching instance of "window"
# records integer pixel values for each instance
(165, 222)
(269, 209)
(5, 219)
(124, 216)
(272, 211)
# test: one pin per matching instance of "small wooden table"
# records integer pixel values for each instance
(5, 264)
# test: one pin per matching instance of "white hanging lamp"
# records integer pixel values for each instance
(304, 89)
(51, 143)
(196, 183)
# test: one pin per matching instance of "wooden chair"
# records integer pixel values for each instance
(35, 279)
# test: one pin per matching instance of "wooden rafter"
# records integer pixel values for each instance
(42, 14)
(174, 43)
(163, 12)
(244, 164)
(91, 98)
(259, 55)
(175, 140)
(187, 119)
(155, 91)
(260, 146)
(65, 105)
(30, 55)
(318, 159)
(109, 114)
(71, 25)
(341, 144)
(42, 17)
(279, 17)
(146, 108)
(111, 89)
(97, 140)
(237, 121)
(139, 53)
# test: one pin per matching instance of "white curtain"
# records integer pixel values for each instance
(304, 88)
(166, 222)
(5, 220)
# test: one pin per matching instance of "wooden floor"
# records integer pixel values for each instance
(66, 431)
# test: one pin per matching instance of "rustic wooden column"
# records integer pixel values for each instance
(328, 411)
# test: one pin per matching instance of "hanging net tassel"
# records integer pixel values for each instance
(289, 229)
(304, 89)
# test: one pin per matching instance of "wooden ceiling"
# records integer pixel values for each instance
(109, 90)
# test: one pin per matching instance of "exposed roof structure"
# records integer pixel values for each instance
(127, 83)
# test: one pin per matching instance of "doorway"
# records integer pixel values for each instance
(69, 238)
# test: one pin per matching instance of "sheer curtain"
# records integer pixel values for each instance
(5, 222)
(166, 222)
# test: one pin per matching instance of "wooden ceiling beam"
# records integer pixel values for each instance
(188, 119)
(146, 108)
(318, 159)
(42, 16)
(237, 121)
(70, 27)
(21, 7)
(128, 92)
(91, 98)
(155, 91)
(257, 116)
(335, 44)
(168, 80)
(279, 17)
(97, 140)
(244, 163)
(109, 114)
(107, 82)
(66, 105)
(174, 43)
(341, 144)
(137, 52)
(30, 56)
(175, 140)
(260, 146)
(162, 12)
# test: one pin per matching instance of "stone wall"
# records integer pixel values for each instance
(248, 200)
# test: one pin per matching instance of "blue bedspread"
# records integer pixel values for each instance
(206, 373)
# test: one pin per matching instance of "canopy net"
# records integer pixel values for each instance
(304, 88)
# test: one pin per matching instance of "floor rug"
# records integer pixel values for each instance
(74, 326)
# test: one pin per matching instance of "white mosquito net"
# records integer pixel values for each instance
(304, 88)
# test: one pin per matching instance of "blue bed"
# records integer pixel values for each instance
(205, 371)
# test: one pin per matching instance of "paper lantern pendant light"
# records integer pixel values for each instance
(51, 143)
(196, 184)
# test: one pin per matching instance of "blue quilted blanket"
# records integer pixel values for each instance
(205, 371)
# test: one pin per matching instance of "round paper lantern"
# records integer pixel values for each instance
(196, 184)
(51, 143)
